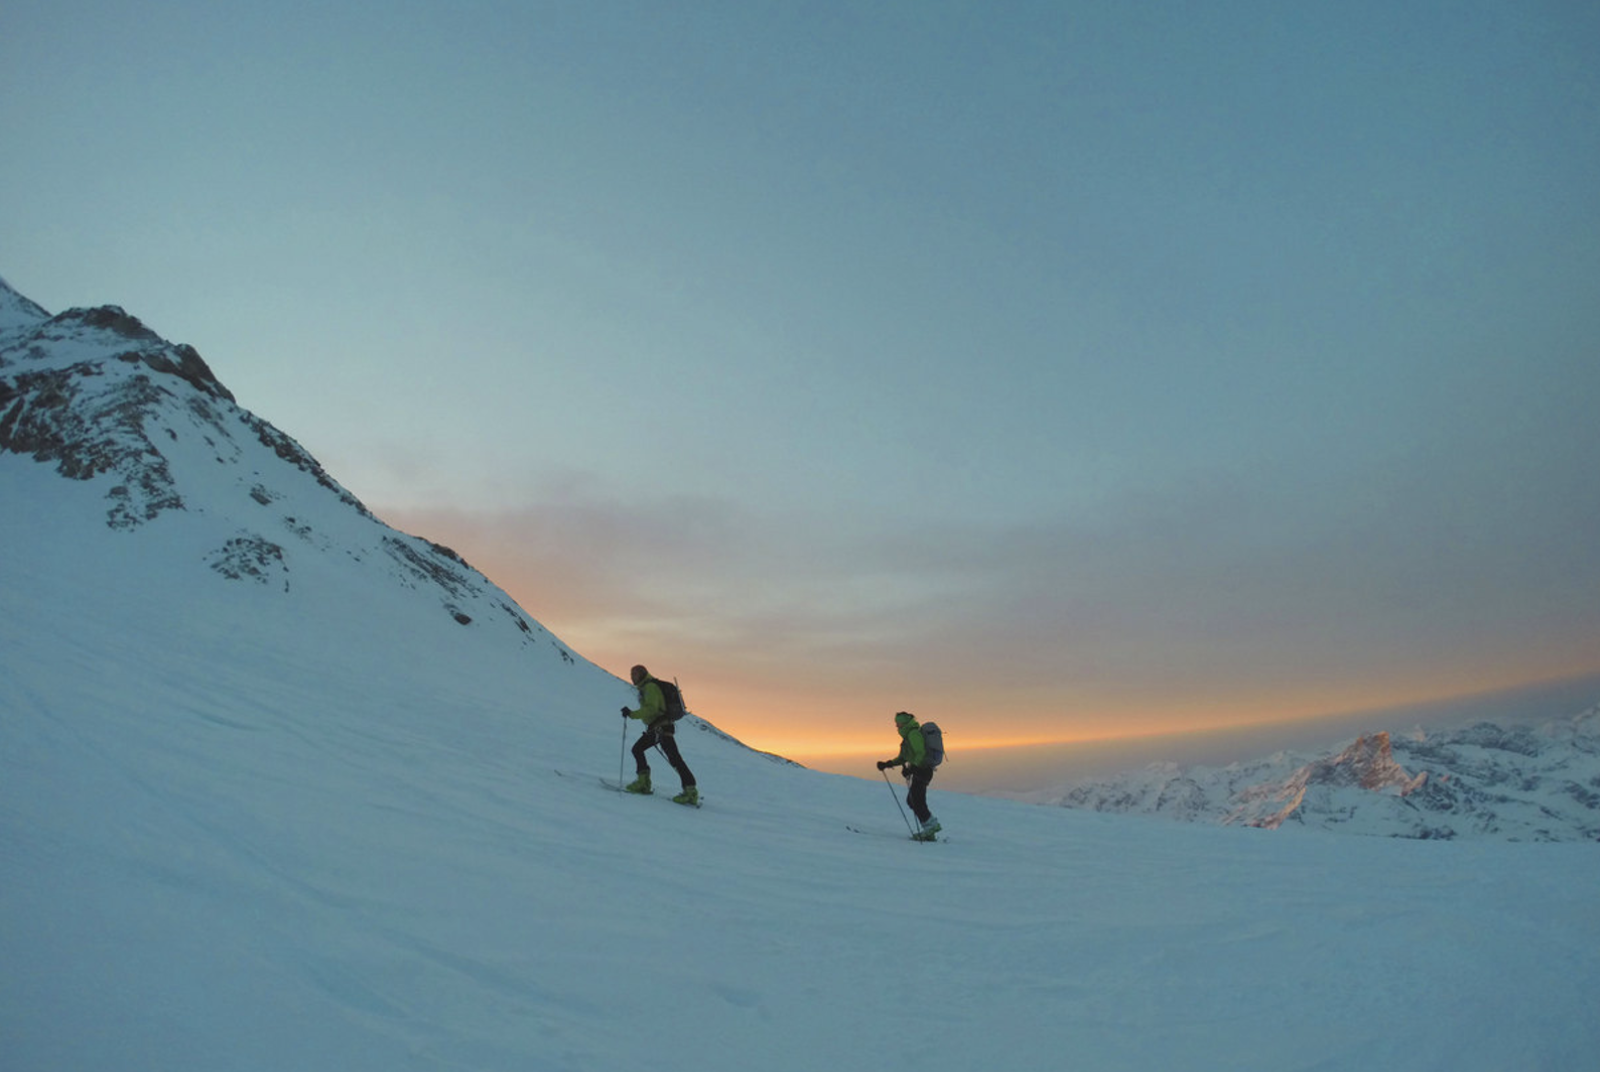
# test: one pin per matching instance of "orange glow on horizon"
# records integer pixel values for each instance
(828, 744)
(831, 747)
(823, 728)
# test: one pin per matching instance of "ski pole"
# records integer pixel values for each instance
(622, 755)
(896, 799)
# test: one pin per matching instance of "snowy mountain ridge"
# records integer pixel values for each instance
(100, 397)
(1485, 781)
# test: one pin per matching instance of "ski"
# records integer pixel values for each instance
(616, 787)
(930, 839)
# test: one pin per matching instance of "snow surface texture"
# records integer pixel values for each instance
(1523, 783)
(316, 821)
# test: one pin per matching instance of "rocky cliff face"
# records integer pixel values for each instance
(1488, 781)
(105, 402)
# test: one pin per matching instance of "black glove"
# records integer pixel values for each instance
(626, 712)
(885, 764)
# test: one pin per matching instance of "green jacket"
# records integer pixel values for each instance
(652, 705)
(913, 749)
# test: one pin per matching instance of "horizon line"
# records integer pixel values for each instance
(1416, 707)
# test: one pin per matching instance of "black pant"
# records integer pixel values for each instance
(917, 795)
(661, 732)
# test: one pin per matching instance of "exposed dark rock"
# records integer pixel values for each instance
(188, 366)
(253, 557)
(53, 420)
(286, 448)
(112, 318)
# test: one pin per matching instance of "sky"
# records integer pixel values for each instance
(1061, 372)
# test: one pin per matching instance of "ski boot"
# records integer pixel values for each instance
(640, 785)
(690, 796)
(929, 829)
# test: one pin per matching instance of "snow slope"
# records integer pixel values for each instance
(314, 821)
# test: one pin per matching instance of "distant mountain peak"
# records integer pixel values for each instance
(1367, 764)
(1517, 783)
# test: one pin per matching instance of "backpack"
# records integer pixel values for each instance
(933, 738)
(672, 696)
